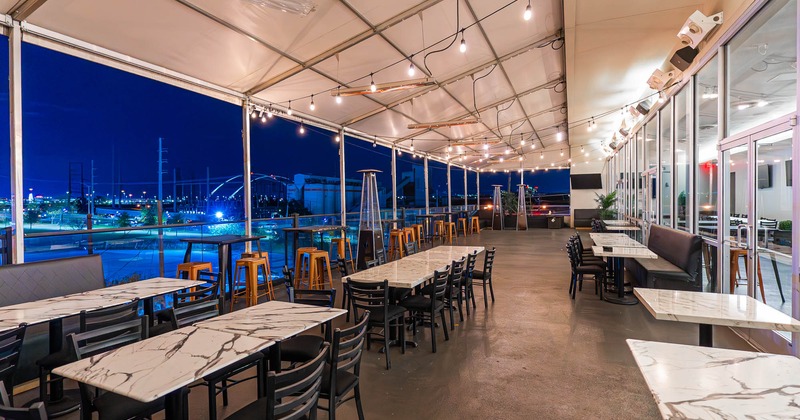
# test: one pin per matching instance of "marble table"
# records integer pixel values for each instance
(614, 239)
(616, 257)
(163, 366)
(623, 228)
(705, 383)
(709, 309)
(617, 223)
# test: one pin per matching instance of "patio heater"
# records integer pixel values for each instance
(497, 209)
(522, 214)
(370, 231)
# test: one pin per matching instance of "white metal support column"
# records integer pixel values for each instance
(342, 184)
(248, 216)
(465, 188)
(449, 190)
(478, 189)
(427, 194)
(796, 211)
(394, 183)
(15, 114)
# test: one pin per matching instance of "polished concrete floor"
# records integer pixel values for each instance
(533, 354)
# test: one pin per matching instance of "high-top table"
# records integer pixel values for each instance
(616, 256)
(614, 239)
(224, 257)
(690, 382)
(709, 309)
(165, 365)
(54, 310)
(310, 230)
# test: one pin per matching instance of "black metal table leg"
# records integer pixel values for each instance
(176, 405)
(706, 335)
(620, 298)
(223, 277)
(59, 402)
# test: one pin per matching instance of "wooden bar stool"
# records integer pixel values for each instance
(438, 230)
(475, 224)
(190, 269)
(396, 243)
(343, 247)
(449, 231)
(462, 225)
(418, 228)
(409, 235)
(734, 270)
(250, 282)
(301, 265)
(319, 263)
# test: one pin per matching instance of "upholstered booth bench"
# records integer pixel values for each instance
(32, 281)
(678, 264)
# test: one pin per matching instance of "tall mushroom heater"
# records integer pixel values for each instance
(370, 231)
(497, 209)
(522, 214)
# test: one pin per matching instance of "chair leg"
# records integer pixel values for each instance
(444, 325)
(491, 288)
(472, 295)
(212, 402)
(403, 334)
(357, 395)
(580, 282)
(386, 344)
(460, 309)
(433, 331)
(224, 393)
(485, 298)
(466, 298)
(450, 308)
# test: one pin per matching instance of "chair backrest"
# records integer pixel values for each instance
(101, 318)
(411, 248)
(346, 349)
(380, 255)
(470, 267)
(210, 293)
(441, 279)
(293, 394)
(194, 311)
(10, 344)
(325, 298)
(372, 297)
(35, 412)
(488, 261)
(209, 277)
(768, 223)
(89, 343)
(372, 263)
(342, 264)
(457, 272)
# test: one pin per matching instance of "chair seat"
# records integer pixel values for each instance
(590, 269)
(394, 311)
(345, 381)
(301, 348)
(255, 410)
(421, 303)
(54, 360)
(113, 406)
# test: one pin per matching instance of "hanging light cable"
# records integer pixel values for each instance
(528, 12)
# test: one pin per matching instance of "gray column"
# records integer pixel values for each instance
(248, 216)
(342, 184)
(427, 193)
(15, 111)
(449, 190)
(394, 183)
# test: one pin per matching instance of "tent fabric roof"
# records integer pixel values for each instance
(511, 76)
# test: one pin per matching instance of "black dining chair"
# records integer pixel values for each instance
(579, 271)
(374, 297)
(344, 368)
(288, 395)
(468, 290)
(424, 309)
(302, 348)
(112, 336)
(89, 321)
(485, 276)
(372, 263)
(188, 308)
(343, 273)
(380, 255)
(7, 411)
(411, 248)
(10, 345)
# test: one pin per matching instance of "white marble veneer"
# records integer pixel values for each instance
(274, 320)
(624, 252)
(614, 239)
(150, 369)
(691, 382)
(414, 270)
(144, 288)
(714, 308)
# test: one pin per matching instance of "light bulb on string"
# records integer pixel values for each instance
(520, 158)
(562, 152)
(412, 145)
(263, 118)
(338, 139)
(541, 155)
(269, 113)
(253, 114)
(528, 12)
(312, 106)
(486, 155)
(662, 97)
(372, 86)
(289, 110)
(463, 46)
(449, 146)
(375, 141)
(399, 152)
(338, 95)
(302, 128)
(501, 160)
(559, 134)
(411, 69)
(521, 140)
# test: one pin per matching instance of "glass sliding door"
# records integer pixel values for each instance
(683, 156)
(706, 120)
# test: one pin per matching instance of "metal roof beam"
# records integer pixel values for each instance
(24, 8)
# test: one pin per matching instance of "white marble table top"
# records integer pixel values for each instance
(625, 252)
(623, 227)
(271, 321)
(692, 382)
(144, 289)
(63, 306)
(150, 369)
(411, 271)
(714, 309)
(618, 239)
(617, 223)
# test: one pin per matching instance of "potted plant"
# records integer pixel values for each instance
(605, 205)
(783, 236)
(510, 206)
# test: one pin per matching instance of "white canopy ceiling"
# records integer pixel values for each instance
(511, 76)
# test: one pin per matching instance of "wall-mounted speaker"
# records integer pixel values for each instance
(683, 58)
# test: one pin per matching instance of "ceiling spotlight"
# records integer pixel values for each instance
(339, 95)
(528, 12)
(302, 128)
(289, 111)
(372, 86)
(411, 69)
(311, 106)
(559, 134)
(463, 46)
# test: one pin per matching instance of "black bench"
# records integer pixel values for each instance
(583, 217)
(678, 264)
(32, 281)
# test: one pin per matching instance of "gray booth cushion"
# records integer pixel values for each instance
(678, 264)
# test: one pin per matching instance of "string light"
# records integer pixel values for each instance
(463, 46)
(375, 141)
(253, 114)
(486, 155)
(559, 134)
(411, 69)
(263, 118)
(289, 111)
(521, 140)
(662, 97)
(562, 152)
(399, 152)
(372, 86)
(302, 128)
(591, 125)
(449, 146)
(269, 113)
(412, 145)
(541, 155)
(338, 95)
(507, 151)
(311, 106)
(501, 160)
(528, 12)
(520, 158)
(337, 138)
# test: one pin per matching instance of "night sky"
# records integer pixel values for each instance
(78, 111)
